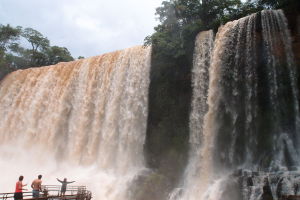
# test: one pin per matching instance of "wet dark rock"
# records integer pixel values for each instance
(148, 186)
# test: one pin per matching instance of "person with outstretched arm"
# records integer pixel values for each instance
(64, 185)
(19, 189)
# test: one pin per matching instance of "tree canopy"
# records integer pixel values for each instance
(14, 53)
(181, 20)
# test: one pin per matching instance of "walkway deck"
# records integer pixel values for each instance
(52, 192)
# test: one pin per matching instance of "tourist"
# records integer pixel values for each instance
(279, 188)
(64, 185)
(19, 189)
(36, 187)
(250, 185)
(296, 188)
(250, 181)
(267, 193)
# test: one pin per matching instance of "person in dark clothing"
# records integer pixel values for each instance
(64, 185)
(296, 188)
(279, 188)
(267, 193)
(250, 181)
(250, 184)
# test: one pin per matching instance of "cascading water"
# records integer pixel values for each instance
(252, 120)
(200, 80)
(84, 120)
(258, 110)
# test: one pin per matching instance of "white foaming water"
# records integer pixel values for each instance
(83, 120)
(202, 182)
(286, 179)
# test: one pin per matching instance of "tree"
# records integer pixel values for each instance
(8, 34)
(14, 56)
(276, 3)
(39, 45)
(58, 54)
(36, 39)
(181, 20)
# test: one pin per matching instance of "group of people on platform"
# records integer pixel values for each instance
(36, 186)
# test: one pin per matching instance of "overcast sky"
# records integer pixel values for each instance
(85, 27)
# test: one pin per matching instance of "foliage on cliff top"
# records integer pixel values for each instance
(23, 48)
(181, 20)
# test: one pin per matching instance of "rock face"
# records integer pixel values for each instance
(293, 16)
(269, 186)
(166, 145)
(296, 43)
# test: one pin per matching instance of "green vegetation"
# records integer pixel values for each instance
(181, 20)
(13, 54)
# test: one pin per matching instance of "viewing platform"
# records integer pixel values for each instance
(52, 192)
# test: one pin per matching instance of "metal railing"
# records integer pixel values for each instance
(11, 195)
(71, 190)
(53, 192)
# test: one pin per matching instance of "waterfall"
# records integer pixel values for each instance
(84, 120)
(200, 80)
(257, 113)
(252, 118)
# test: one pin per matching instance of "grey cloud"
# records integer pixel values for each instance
(86, 28)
